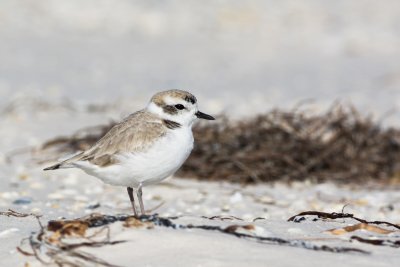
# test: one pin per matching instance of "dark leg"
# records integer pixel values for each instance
(130, 193)
(139, 195)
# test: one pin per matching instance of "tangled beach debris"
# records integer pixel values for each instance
(61, 242)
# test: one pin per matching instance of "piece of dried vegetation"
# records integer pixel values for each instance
(133, 222)
(359, 226)
(368, 226)
(338, 215)
(61, 241)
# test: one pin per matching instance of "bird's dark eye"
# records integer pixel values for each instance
(180, 106)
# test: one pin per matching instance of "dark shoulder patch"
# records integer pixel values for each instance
(171, 124)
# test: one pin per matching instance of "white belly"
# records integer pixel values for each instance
(155, 164)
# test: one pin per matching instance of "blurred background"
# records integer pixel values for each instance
(237, 56)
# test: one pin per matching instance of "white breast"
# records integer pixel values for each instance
(157, 163)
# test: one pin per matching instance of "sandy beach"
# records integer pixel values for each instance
(67, 66)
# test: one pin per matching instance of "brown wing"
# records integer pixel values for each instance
(134, 134)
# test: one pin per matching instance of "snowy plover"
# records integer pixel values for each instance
(145, 148)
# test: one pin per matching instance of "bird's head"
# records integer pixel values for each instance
(177, 106)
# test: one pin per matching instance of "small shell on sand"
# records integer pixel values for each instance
(236, 197)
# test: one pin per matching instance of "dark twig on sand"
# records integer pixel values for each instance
(13, 213)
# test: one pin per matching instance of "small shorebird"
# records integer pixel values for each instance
(145, 148)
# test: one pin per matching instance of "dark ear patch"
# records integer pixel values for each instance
(190, 99)
(170, 109)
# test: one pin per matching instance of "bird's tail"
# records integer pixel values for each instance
(64, 164)
(53, 167)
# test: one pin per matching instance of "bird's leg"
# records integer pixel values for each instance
(139, 195)
(130, 193)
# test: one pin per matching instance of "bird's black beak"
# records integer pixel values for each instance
(202, 115)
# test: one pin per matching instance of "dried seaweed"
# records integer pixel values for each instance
(364, 224)
(377, 242)
(57, 251)
(340, 145)
(222, 217)
(67, 253)
(359, 226)
(278, 241)
(13, 213)
(334, 215)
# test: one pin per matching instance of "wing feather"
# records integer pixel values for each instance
(136, 133)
